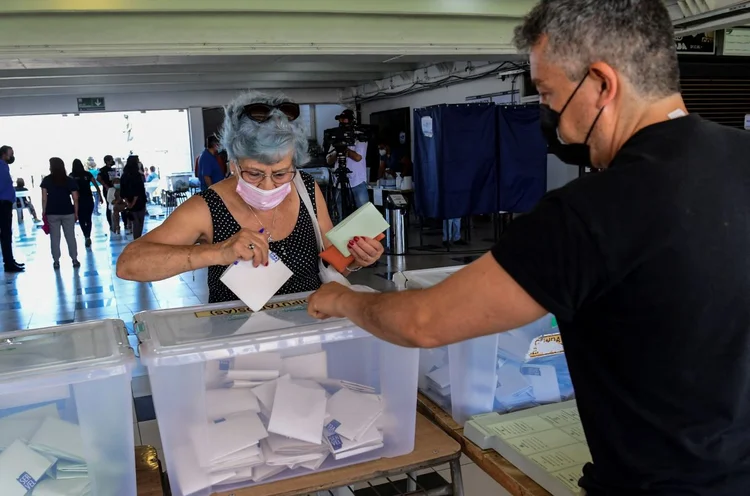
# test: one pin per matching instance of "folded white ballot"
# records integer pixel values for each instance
(298, 412)
(221, 403)
(258, 361)
(244, 459)
(60, 439)
(510, 383)
(247, 453)
(543, 380)
(20, 469)
(71, 487)
(315, 464)
(70, 475)
(343, 448)
(256, 285)
(266, 393)
(290, 461)
(14, 429)
(245, 384)
(441, 377)
(233, 434)
(334, 385)
(242, 475)
(288, 446)
(265, 472)
(68, 466)
(219, 477)
(307, 366)
(252, 375)
(351, 414)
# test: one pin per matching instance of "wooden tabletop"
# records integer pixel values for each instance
(433, 447)
(148, 471)
(505, 473)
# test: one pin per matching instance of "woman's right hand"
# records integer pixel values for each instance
(238, 247)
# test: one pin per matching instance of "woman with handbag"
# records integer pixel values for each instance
(267, 205)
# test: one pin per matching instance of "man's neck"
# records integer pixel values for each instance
(644, 115)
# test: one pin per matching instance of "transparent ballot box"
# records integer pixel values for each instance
(66, 413)
(245, 398)
(504, 372)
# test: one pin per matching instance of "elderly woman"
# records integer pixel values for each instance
(256, 210)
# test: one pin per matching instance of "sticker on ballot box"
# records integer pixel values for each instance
(545, 345)
(245, 310)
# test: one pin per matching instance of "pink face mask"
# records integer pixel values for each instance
(260, 198)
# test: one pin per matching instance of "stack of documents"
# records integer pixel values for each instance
(40, 454)
(439, 381)
(271, 412)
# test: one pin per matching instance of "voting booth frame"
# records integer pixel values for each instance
(66, 412)
(191, 354)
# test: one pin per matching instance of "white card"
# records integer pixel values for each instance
(13, 429)
(234, 434)
(267, 391)
(352, 414)
(338, 445)
(307, 366)
(20, 469)
(266, 472)
(59, 438)
(298, 412)
(256, 285)
(543, 380)
(441, 376)
(222, 403)
(510, 383)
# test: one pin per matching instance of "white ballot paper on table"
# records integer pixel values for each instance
(221, 403)
(298, 412)
(256, 285)
(20, 469)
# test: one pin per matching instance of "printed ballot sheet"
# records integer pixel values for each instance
(547, 443)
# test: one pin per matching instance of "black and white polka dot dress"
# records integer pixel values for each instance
(298, 251)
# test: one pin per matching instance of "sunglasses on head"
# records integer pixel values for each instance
(261, 112)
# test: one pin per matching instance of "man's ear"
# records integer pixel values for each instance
(607, 77)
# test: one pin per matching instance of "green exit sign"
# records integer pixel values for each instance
(92, 104)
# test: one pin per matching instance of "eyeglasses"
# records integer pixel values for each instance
(260, 112)
(279, 178)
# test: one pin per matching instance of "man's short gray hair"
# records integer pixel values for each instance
(633, 36)
(266, 142)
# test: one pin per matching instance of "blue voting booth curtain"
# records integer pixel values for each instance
(522, 155)
(455, 160)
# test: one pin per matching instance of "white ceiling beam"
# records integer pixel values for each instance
(309, 77)
(484, 8)
(92, 35)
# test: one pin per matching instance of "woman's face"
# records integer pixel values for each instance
(263, 176)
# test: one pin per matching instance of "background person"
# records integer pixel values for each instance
(133, 193)
(647, 278)
(355, 162)
(24, 202)
(57, 192)
(209, 169)
(7, 202)
(84, 179)
(105, 179)
(257, 210)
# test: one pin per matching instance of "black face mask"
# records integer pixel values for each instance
(578, 154)
(11, 160)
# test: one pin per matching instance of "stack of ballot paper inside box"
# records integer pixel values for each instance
(272, 394)
(66, 412)
(518, 369)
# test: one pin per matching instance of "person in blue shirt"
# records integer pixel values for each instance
(209, 170)
(7, 202)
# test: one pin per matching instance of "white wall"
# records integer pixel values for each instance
(325, 118)
(451, 94)
(149, 101)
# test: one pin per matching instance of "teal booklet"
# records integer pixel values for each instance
(365, 222)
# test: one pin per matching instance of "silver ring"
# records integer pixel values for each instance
(251, 246)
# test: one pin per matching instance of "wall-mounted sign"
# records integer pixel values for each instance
(91, 104)
(701, 43)
(737, 41)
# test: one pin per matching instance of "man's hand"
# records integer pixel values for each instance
(328, 301)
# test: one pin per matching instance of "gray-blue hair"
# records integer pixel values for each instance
(266, 142)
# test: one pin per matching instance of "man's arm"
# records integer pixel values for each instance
(483, 299)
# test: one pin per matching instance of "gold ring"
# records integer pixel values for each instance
(251, 246)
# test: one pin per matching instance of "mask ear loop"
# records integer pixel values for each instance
(593, 124)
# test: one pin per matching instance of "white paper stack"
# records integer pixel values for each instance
(439, 381)
(267, 413)
(21, 469)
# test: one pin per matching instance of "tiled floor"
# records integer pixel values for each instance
(42, 297)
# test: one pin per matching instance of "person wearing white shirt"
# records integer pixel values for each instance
(355, 162)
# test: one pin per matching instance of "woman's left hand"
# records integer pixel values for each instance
(366, 251)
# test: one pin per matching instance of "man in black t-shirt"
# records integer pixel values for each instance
(104, 178)
(645, 264)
